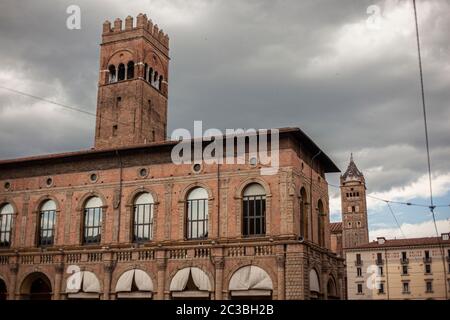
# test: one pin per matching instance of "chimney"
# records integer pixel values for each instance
(446, 236)
(381, 240)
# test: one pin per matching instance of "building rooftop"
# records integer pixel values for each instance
(336, 227)
(301, 137)
(391, 243)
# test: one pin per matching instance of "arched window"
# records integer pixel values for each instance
(197, 214)
(254, 210)
(112, 74)
(121, 72)
(303, 214)
(146, 72)
(160, 81)
(150, 75)
(155, 80)
(130, 70)
(92, 228)
(47, 216)
(320, 223)
(6, 216)
(143, 218)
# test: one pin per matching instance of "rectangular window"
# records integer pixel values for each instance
(47, 230)
(360, 288)
(404, 255)
(379, 258)
(143, 222)
(358, 258)
(427, 254)
(405, 287)
(380, 271)
(381, 288)
(428, 268)
(254, 215)
(197, 219)
(353, 209)
(358, 272)
(404, 270)
(92, 225)
(429, 286)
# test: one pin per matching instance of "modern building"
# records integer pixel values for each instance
(121, 220)
(416, 268)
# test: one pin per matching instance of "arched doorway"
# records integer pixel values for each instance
(314, 285)
(332, 293)
(3, 291)
(36, 286)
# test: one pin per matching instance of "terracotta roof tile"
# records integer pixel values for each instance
(336, 227)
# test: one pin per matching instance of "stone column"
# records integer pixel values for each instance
(219, 264)
(108, 268)
(281, 277)
(59, 269)
(161, 276)
(13, 268)
(324, 279)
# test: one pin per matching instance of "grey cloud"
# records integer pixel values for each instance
(244, 64)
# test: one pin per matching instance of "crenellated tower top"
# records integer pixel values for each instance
(142, 27)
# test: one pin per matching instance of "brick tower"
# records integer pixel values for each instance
(355, 229)
(133, 84)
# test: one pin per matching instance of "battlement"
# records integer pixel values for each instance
(142, 24)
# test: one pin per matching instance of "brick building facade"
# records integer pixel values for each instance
(123, 221)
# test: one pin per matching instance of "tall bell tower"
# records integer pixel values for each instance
(133, 84)
(355, 230)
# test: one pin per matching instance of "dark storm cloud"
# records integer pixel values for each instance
(246, 64)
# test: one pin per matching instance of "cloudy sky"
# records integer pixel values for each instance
(345, 75)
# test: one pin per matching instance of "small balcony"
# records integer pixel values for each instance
(358, 263)
(404, 261)
(379, 262)
(427, 260)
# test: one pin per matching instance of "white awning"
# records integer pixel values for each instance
(314, 284)
(201, 279)
(141, 278)
(250, 278)
(87, 279)
(125, 281)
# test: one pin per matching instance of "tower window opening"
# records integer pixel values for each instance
(155, 80)
(112, 74)
(130, 70)
(121, 72)
(150, 75)
(160, 82)
(146, 72)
